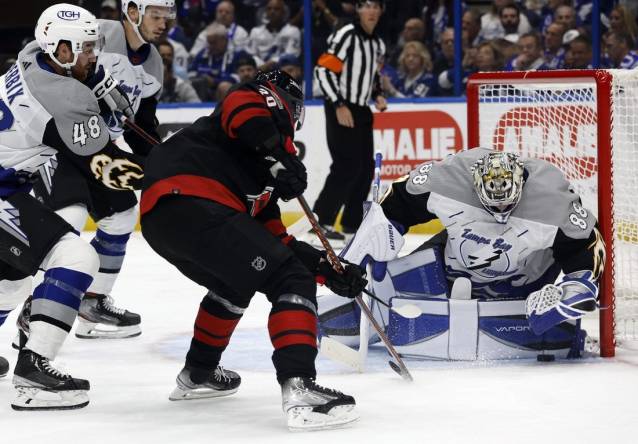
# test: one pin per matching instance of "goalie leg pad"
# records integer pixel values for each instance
(478, 330)
(339, 318)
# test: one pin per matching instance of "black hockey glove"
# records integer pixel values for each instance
(110, 96)
(349, 284)
(290, 175)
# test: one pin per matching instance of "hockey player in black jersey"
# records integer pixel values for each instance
(209, 206)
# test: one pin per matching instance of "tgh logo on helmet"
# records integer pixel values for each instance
(69, 15)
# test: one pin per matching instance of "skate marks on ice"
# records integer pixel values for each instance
(250, 350)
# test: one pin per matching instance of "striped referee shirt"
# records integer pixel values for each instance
(349, 70)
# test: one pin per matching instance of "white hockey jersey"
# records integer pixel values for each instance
(548, 232)
(139, 81)
(43, 113)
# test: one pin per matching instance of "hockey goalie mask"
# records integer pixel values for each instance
(498, 181)
(289, 91)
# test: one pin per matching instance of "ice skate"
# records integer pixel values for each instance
(311, 407)
(22, 336)
(41, 386)
(99, 318)
(219, 382)
(4, 367)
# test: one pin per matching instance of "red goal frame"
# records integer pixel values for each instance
(603, 81)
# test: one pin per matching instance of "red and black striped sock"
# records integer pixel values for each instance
(214, 326)
(293, 333)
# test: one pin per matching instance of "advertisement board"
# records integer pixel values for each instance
(407, 134)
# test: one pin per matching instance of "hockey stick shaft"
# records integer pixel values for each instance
(140, 132)
(336, 263)
(376, 184)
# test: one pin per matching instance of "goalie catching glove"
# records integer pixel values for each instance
(348, 284)
(572, 298)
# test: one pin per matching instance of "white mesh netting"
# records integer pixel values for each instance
(556, 120)
(625, 208)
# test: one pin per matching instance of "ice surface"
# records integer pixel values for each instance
(589, 401)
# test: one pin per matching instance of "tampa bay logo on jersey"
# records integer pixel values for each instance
(485, 256)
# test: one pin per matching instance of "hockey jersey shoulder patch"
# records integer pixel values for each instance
(549, 198)
(418, 181)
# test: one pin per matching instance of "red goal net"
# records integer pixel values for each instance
(586, 123)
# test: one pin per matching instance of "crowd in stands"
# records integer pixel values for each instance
(216, 43)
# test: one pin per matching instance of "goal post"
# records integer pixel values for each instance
(586, 123)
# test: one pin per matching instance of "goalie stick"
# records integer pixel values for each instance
(399, 366)
(334, 348)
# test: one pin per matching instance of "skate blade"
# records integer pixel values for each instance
(32, 398)
(179, 394)
(91, 330)
(303, 419)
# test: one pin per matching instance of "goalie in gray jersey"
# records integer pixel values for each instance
(127, 83)
(49, 114)
(517, 231)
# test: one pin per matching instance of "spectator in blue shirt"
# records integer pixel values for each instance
(530, 54)
(621, 20)
(554, 53)
(213, 65)
(245, 68)
(415, 78)
(619, 53)
(549, 11)
(566, 15)
(579, 53)
(484, 58)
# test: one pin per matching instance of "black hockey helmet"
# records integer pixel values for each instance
(290, 92)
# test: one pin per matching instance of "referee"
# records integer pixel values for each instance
(348, 74)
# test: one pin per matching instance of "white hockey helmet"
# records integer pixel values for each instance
(70, 23)
(498, 181)
(169, 11)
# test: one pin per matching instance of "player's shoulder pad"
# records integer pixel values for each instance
(450, 176)
(154, 66)
(114, 37)
(549, 198)
(69, 102)
(74, 110)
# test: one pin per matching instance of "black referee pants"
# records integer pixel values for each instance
(352, 169)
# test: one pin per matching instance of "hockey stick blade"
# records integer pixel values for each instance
(409, 311)
(336, 351)
(405, 375)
